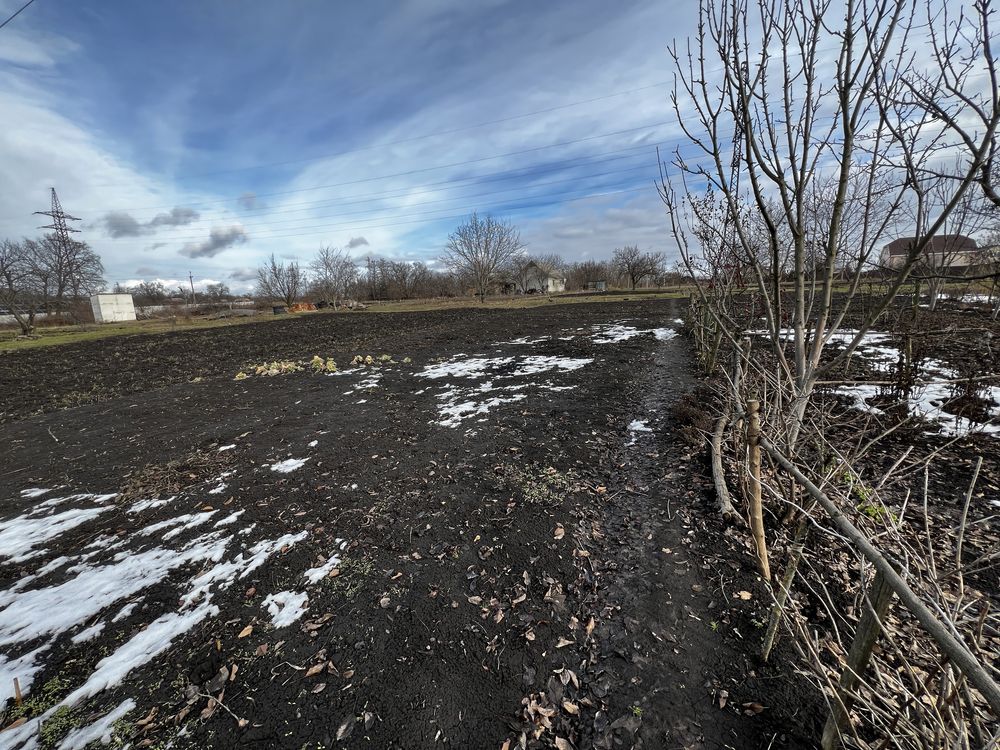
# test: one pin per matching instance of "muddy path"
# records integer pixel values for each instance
(494, 535)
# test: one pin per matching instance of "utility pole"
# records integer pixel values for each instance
(59, 227)
(191, 281)
(61, 230)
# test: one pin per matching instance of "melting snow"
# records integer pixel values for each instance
(524, 340)
(34, 492)
(463, 368)
(218, 490)
(617, 332)
(56, 609)
(286, 607)
(459, 403)
(226, 573)
(125, 611)
(288, 465)
(226, 447)
(229, 519)
(141, 505)
(88, 633)
(24, 668)
(315, 575)
(19, 536)
(142, 647)
(314, 443)
(99, 731)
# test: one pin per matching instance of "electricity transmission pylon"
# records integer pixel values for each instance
(59, 224)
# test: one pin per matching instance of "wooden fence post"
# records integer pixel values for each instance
(756, 507)
(877, 605)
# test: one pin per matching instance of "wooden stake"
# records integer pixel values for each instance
(17, 692)
(794, 557)
(756, 506)
(878, 600)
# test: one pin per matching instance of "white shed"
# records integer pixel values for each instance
(537, 279)
(112, 308)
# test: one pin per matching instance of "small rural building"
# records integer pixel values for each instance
(536, 279)
(112, 308)
(597, 286)
(951, 251)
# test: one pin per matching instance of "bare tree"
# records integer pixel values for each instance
(146, 293)
(580, 274)
(333, 274)
(281, 282)
(778, 126)
(218, 292)
(72, 270)
(483, 249)
(19, 292)
(635, 265)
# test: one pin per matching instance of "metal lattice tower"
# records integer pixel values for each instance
(59, 218)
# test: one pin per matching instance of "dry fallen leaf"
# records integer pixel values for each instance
(570, 707)
(562, 744)
(560, 531)
(744, 595)
(530, 635)
(563, 642)
(319, 688)
(246, 631)
(590, 626)
(315, 669)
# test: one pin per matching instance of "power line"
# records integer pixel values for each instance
(16, 13)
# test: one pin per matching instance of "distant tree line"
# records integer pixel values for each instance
(46, 275)
(484, 256)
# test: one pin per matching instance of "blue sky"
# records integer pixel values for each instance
(203, 136)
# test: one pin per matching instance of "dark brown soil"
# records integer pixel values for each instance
(544, 573)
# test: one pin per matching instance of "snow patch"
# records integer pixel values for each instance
(140, 649)
(288, 465)
(34, 492)
(88, 634)
(19, 536)
(286, 607)
(315, 575)
(615, 333)
(24, 668)
(99, 731)
(141, 505)
(125, 611)
(229, 519)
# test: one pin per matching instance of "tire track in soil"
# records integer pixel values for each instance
(658, 663)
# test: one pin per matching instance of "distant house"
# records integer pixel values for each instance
(951, 251)
(535, 279)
